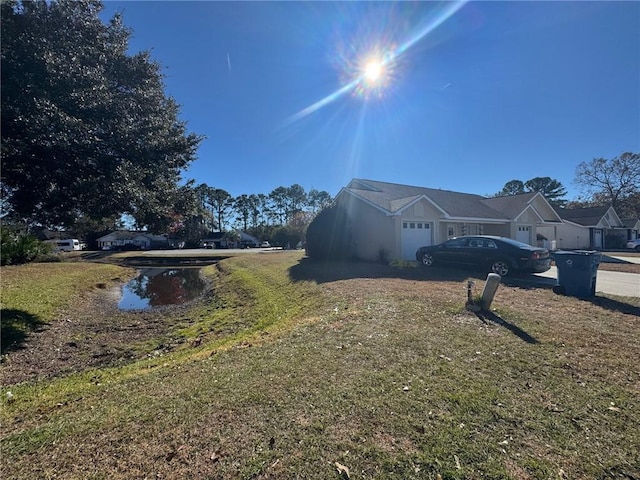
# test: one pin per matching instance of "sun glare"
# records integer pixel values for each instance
(373, 71)
(373, 75)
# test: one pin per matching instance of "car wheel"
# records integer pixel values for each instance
(427, 259)
(501, 267)
(638, 248)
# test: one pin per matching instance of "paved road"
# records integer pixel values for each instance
(207, 251)
(614, 283)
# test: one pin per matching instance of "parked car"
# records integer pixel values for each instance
(635, 244)
(499, 255)
(265, 245)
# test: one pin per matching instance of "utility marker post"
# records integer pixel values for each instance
(489, 291)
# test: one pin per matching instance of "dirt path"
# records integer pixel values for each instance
(92, 333)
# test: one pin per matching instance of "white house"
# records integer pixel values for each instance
(586, 228)
(395, 220)
(120, 238)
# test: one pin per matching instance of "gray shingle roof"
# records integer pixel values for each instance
(630, 222)
(583, 216)
(511, 205)
(393, 197)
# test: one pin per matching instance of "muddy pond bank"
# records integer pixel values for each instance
(93, 331)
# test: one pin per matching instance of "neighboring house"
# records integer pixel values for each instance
(250, 240)
(220, 240)
(393, 221)
(143, 240)
(214, 240)
(632, 225)
(587, 228)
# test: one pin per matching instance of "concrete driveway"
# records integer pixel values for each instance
(614, 283)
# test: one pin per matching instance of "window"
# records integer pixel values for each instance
(419, 226)
(457, 243)
(412, 225)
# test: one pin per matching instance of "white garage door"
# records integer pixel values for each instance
(524, 234)
(414, 236)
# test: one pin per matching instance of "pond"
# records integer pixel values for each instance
(154, 287)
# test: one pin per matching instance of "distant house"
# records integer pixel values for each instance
(248, 240)
(214, 240)
(587, 228)
(220, 240)
(398, 219)
(122, 238)
(632, 226)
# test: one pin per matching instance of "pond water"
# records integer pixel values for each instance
(154, 287)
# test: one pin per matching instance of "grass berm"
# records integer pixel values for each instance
(288, 368)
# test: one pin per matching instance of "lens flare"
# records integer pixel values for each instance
(368, 70)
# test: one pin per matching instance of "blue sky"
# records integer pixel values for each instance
(470, 95)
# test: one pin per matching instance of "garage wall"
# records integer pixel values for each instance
(503, 230)
(568, 236)
(372, 230)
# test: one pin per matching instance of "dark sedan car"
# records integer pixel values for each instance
(496, 254)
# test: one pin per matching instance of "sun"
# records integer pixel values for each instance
(373, 76)
(373, 71)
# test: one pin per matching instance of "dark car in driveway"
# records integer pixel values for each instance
(499, 255)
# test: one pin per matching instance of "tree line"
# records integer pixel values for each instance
(605, 182)
(282, 215)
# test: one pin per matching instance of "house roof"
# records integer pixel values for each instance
(392, 198)
(631, 222)
(511, 205)
(586, 217)
(119, 235)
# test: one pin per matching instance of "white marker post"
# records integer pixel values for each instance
(489, 291)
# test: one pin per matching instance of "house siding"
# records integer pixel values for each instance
(371, 230)
(421, 211)
(569, 236)
(497, 230)
(586, 229)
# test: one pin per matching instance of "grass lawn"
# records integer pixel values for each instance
(291, 369)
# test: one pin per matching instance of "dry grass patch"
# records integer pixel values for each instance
(381, 370)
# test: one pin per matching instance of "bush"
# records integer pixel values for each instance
(17, 247)
(48, 258)
(329, 235)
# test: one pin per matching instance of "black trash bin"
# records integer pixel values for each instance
(577, 272)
